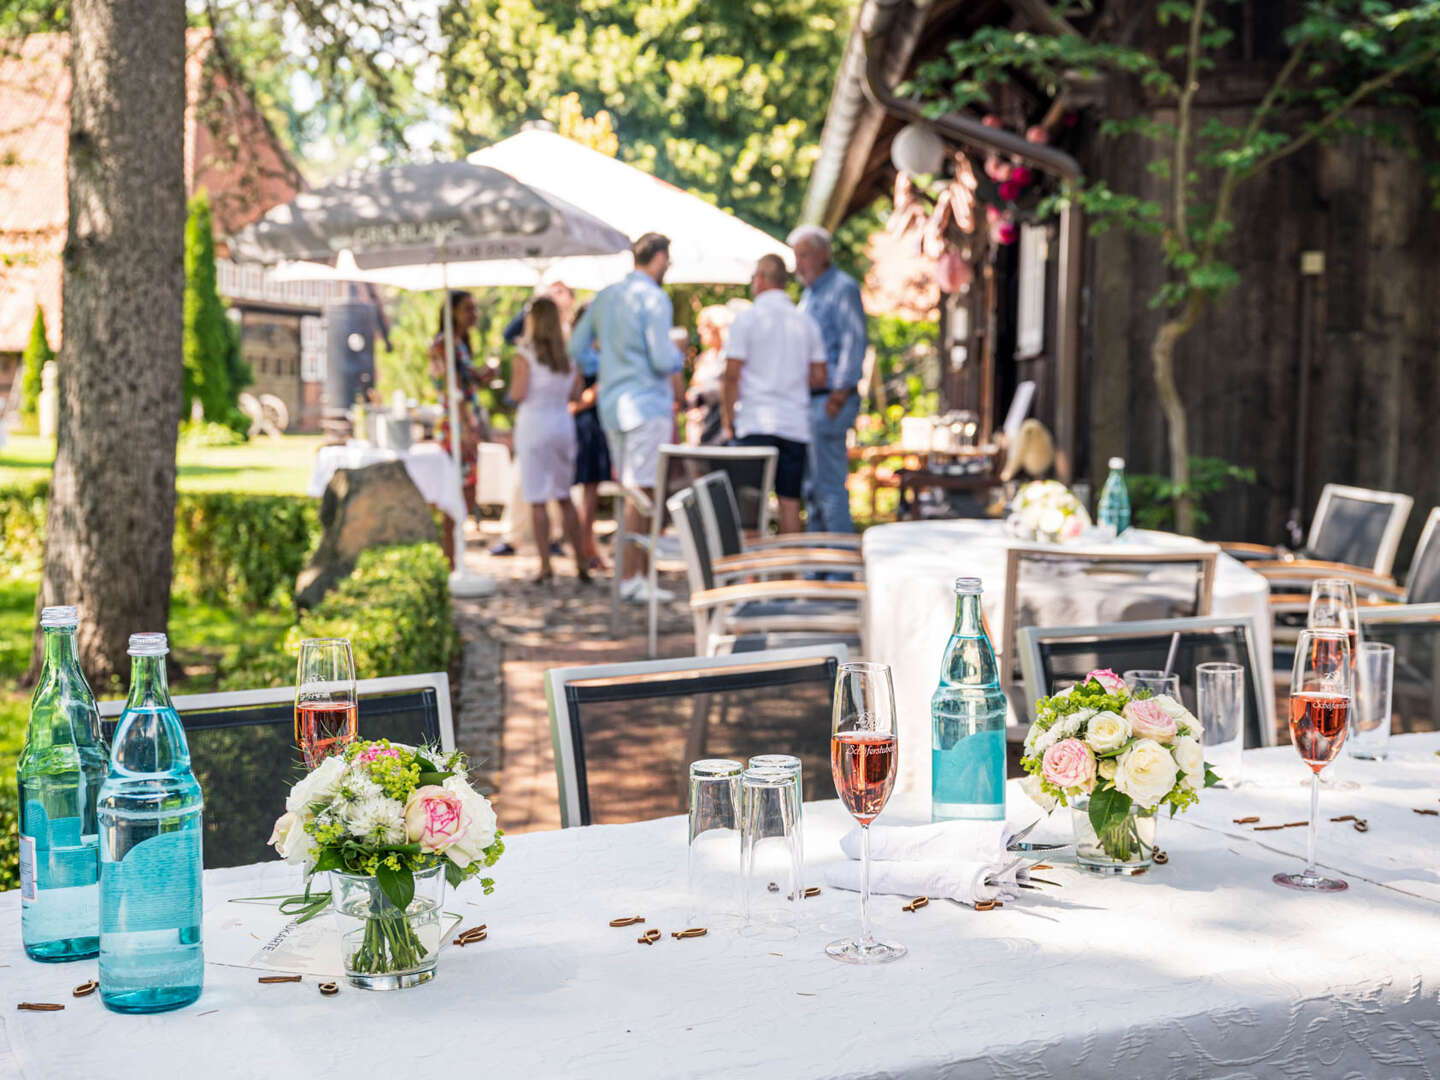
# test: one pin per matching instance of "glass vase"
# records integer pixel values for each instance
(383, 947)
(1127, 847)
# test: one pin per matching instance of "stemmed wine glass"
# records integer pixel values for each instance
(326, 712)
(1333, 607)
(1320, 694)
(864, 754)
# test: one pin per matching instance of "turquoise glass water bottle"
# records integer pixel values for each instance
(967, 720)
(59, 775)
(150, 852)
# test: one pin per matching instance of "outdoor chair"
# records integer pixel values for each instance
(1055, 657)
(625, 734)
(1146, 585)
(732, 549)
(732, 617)
(752, 471)
(1414, 630)
(1354, 529)
(242, 750)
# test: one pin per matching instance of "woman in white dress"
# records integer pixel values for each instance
(543, 384)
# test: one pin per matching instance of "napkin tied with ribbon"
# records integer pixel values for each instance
(961, 860)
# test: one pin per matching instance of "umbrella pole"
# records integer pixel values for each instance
(462, 582)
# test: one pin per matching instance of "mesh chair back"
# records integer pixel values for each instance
(1358, 526)
(1422, 586)
(1055, 658)
(718, 497)
(684, 507)
(625, 734)
(751, 471)
(1414, 630)
(243, 753)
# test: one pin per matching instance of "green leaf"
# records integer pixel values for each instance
(397, 885)
(433, 776)
(329, 859)
(1211, 778)
(1107, 808)
(426, 765)
(453, 874)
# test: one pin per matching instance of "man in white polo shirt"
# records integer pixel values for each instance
(773, 358)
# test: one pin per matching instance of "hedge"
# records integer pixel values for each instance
(235, 550)
(395, 609)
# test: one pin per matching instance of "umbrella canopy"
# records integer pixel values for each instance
(419, 215)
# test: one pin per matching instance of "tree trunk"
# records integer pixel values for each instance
(1162, 355)
(109, 535)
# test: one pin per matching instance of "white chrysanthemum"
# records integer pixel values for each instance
(359, 787)
(1032, 786)
(376, 820)
(319, 785)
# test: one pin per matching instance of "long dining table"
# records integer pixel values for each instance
(1200, 967)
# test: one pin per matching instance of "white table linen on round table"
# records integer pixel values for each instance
(428, 464)
(910, 568)
(1203, 967)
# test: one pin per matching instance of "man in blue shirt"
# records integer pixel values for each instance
(639, 383)
(832, 299)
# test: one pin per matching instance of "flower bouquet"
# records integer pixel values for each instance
(1047, 511)
(392, 824)
(1114, 757)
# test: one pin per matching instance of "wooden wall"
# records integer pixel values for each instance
(1375, 317)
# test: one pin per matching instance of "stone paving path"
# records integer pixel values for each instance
(508, 641)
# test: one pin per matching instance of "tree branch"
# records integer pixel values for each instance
(1179, 173)
(1364, 90)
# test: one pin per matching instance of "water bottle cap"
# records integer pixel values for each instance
(63, 615)
(1117, 463)
(968, 586)
(148, 645)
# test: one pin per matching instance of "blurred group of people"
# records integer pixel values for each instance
(598, 391)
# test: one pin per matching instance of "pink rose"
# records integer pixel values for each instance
(1037, 134)
(1010, 190)
(434, 818)
(991, 120)
(1112, 683)
(997, 168)
(370, 753)
(1149, 721)
(1022, 175)
(1004, 233)
(1069, 764)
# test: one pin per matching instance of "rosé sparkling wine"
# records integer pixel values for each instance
(1318, 727)
(323, 728)
(863, 764)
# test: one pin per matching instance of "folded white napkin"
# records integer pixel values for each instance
(944, 841)
(959, 880)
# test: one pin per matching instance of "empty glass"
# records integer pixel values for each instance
(1332, 607)
(1374, 684)
(1157, 682)
(790, 763)
(714, 854)
(1220, 701)
(770, 847)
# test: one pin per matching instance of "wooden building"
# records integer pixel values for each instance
(1338, 249)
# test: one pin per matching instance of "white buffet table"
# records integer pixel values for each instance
(1202, 967)
(428, 464)
(910, 568)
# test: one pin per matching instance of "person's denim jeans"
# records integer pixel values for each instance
(826, 497)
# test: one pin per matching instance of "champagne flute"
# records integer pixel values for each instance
(864, 755)
(326, 713)
(1333, 607)
(1320, 695)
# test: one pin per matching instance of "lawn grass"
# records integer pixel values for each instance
(261, 467)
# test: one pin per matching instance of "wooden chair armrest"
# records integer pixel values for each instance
(783, 589)
(1301, 601)
(806, 539)
(764, 560)
(1253, 551)
(1304, 570)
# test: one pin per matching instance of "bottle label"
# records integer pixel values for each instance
(27, 868)
(156, 886)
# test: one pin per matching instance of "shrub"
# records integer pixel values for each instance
(394, 608)
(9, 837)
(22, 528)
(37, 354)
(1152, 496)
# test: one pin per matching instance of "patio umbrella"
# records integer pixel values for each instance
(428, 216)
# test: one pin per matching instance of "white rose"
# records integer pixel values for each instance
(480, 823)
(291, 841)
(1146, 772)
(1190, 756)
(1038, 795)
(1107, 732)
(1182, 716)
(319, 785)
(1051, 521)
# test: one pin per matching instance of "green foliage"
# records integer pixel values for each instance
(1152, 496)
(37, 354)
(207, 433)
(9, 836)
(726, 100)
(395, 609)
(239, 550)
(208, 340)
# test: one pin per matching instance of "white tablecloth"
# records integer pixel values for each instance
(428, 464)
(910, 569)
(1202, 967)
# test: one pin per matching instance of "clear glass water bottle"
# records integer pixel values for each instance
(150, 851)
(1114, 510)
(59, 774)
(967, 720)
